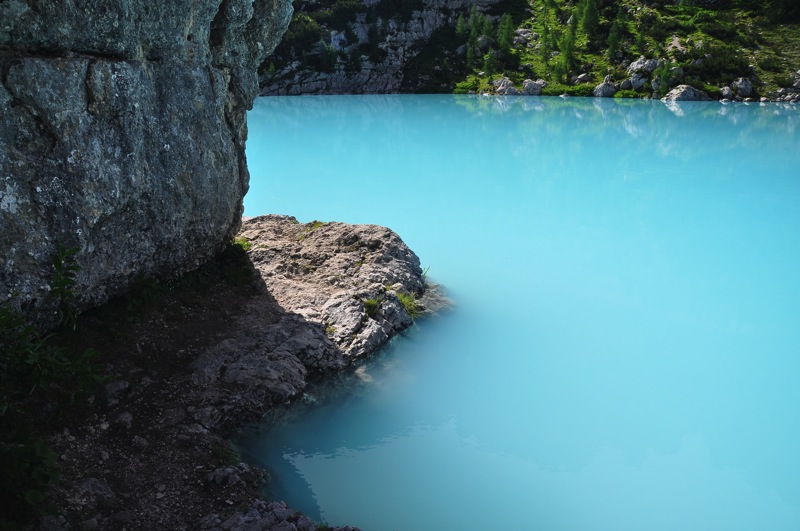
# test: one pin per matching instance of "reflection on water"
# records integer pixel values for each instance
(623, 354)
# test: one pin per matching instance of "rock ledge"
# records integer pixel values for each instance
(215, 353)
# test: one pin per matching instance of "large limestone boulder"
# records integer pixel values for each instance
(533, 88)
(686, 93)
(122, 131)
(605, 89)
(643, 66)
(743, 87)
(505, 86)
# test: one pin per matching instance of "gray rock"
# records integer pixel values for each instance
(638, 81)
(96, 493)
(743, 87)
(605, 89)
(316, 276)
(533, 88)
(583, 78)
(727, 92)
(114, 391)
(504, 86)
(125, 420)
(686, 93)
(642, 65)
(228, 475)
(626, 85)
(123, 128)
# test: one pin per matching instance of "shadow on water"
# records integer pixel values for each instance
(325, 422)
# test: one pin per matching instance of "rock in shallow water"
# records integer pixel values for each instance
(686, 93)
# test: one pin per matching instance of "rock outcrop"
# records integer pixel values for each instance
(122, 130)
(242, 336)
(339, 288)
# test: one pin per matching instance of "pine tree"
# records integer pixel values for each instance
(546, 44)
(461, 27)
(566, 45)
(590, 21)
(505, 33)
(489, 63)
(472, 22)
(614, 37)
(487, 28)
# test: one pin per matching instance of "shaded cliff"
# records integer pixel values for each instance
(122, 130)
(363, 46)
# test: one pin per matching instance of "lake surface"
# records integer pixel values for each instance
(624, 351)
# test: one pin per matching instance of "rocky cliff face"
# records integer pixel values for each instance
(122, 130)
(357, 71)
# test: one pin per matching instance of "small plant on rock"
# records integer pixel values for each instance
(242, 243)
(371, 307)
(409, 302)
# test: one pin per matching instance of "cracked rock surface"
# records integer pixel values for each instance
(122, 130)
(191, 363)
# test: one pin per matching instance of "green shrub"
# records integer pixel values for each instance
(784, 81)
(410, 304)
(341, 14)
(62, 285)
(557, 89)
(242, 243)
(770, 63)
(371, 307)
(33, 367)
(720, 30)
(302, 34)
(719, 63)
(29, 466)
(628, 94)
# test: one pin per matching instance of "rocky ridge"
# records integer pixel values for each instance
(213, 354)
(122, 130)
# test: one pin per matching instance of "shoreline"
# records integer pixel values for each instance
(213, 352)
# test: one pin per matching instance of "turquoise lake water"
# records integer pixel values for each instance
(624, 351)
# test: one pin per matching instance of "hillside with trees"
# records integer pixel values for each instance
(727, 48)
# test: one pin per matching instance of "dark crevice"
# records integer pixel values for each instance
(87, 83)
(216, 36)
